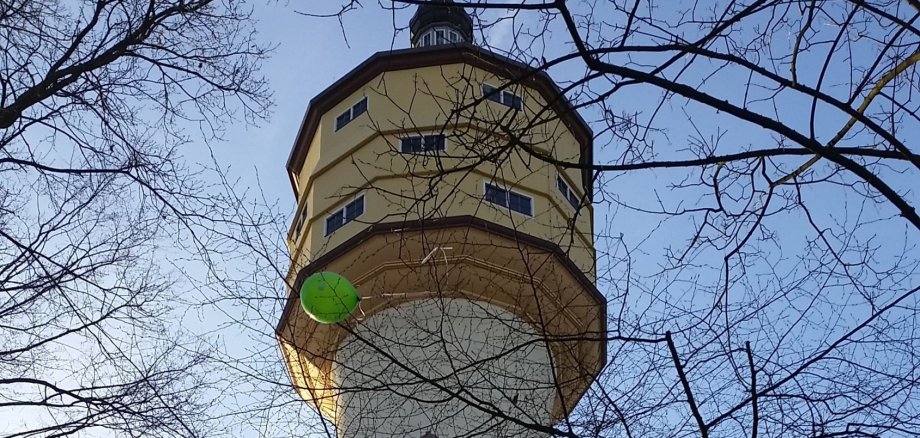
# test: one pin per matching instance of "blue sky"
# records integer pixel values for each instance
(312, 53)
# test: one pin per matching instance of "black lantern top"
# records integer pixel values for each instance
(440, 22)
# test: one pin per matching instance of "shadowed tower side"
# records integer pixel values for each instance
(415, 178)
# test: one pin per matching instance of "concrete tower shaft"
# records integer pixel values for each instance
(469, 363)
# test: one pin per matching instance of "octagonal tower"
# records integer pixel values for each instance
(427, 177)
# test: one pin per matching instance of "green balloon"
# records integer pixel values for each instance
(328, 297)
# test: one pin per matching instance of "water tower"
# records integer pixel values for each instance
(429, 177)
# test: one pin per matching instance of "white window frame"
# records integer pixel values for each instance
(350, 111)
(505, 187)
(423, 135)
(501, 94)
(326, 232)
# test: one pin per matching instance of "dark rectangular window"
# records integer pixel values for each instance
(346, 214)
(422, 144)
(491, 93)
(520, 203)
(301, 219)
(354, 209)
(454, 37)
(513, 101)
(496, 195)
(440, 37)
(335, 221)
(410, 145)
(351, 113)
(434, 142)
(567, 193)
(342, 120)
(563, 187)
(573, 199)
(426, 40)
(508, 198)
(506, 98)
(359, 108)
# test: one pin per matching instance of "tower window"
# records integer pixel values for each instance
(573, 199)
(298, 225)
(491, 93)
(520, 203)
(513, 100)
(563, 187)
(342, 120)
(359, 108)
(506, 98)
(438, 36)
(566, 192)
(344, 215)
(496, 195)
(351, 113)
(511, 199)
(335, 221)
(420, 144)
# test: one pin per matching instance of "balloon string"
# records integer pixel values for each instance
(424, 260)
(444, 253)
(446, 260)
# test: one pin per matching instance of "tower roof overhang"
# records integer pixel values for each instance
(469, 54)
(531, 277)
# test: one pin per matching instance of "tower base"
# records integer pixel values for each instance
(450, 367)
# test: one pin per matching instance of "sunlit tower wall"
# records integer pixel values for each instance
(432, 178)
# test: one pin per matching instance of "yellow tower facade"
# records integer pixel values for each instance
(438, 179)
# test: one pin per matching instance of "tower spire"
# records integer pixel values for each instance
(440, 22)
